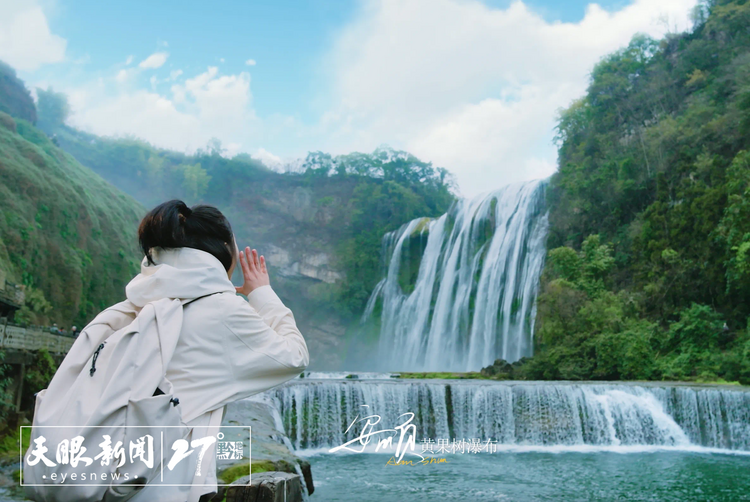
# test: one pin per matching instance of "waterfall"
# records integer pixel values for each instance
(316, 413)
(471, 297)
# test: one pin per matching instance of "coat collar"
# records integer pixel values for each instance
(181, 273)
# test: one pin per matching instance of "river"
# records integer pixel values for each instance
(538, 440)
(536, 476)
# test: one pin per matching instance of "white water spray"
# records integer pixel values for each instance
(620, 417)
(473, 300)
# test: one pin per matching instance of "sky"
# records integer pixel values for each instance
(473, 86)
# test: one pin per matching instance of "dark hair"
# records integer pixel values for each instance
(174, 225)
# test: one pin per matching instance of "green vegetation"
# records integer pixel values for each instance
(648, 275)
(6, 390)
(38, 375)
(391, 188)
(65, 234)
(471, 375)
(235, 472)
(340, 205)
(39, 372)
(149, 174)
(15, 99)
(332, 211)
(10, 444)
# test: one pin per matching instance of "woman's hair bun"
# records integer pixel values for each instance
(184, 211)
(167, 226)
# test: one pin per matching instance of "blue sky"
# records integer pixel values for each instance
(472, 86)
(286, 38)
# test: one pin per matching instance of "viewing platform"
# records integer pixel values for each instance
(32, 339)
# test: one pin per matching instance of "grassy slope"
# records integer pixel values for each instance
(64, 231)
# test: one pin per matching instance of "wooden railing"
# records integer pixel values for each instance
(16, 337)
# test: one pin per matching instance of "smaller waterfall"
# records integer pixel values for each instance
(317, 413)
(471, 298)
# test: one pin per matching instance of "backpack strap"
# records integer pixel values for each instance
(204, 296)
(158, 391)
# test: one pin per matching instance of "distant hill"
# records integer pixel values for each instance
(66, 234)
(319, 227)
(15, 99)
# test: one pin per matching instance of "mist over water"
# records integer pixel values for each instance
(473, 298)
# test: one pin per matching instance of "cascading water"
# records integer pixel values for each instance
(473, 299)
(318, 413)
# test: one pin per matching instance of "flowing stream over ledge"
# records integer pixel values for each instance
(316, 413)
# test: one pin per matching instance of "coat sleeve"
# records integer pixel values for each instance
(268, 347)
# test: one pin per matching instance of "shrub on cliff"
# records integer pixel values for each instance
(15, 98)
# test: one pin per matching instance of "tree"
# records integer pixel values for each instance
(195, 181)
(649, 215)
(53, 108)
(15, 99)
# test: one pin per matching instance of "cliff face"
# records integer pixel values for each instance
(298, 227)
(296, 224)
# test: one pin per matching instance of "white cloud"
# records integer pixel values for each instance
(26, 42)
(270, 160)
(122, 76)
(205, 106)
(143, 114)
(173, 76)
(155, 60)
(231, 149)
(221, 60)
(222, 101)
(129, 60)
(473, 88)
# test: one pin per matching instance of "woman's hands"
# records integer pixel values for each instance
(254, 270)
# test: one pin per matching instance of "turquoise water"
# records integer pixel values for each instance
(536, 476)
